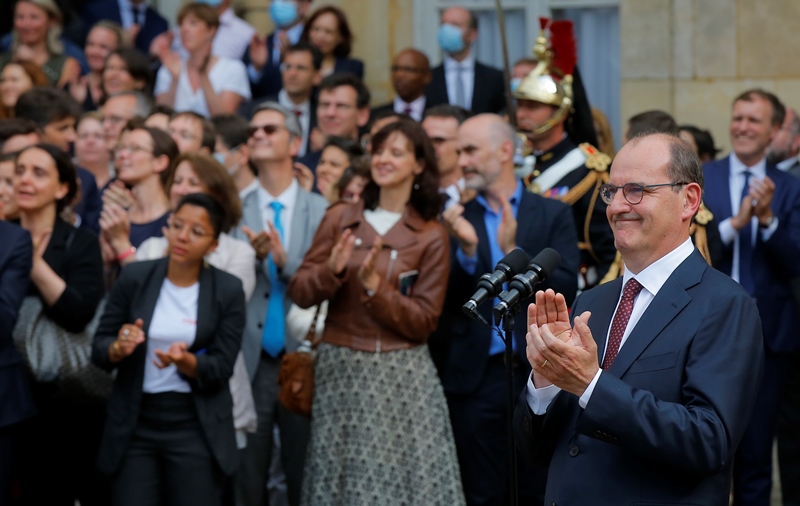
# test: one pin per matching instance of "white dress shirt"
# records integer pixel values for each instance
(453, 193)
(467, 78)
(652, 278)
(289, 200)
(304, 117)
(417, 107)
(729, 234)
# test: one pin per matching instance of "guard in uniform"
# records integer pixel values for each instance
(555, 119)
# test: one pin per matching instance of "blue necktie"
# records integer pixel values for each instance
(274, 327)
(746, 245)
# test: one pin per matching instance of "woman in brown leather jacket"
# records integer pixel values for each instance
(380, 431)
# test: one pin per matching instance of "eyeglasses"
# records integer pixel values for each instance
(633, 192)
(183, 134)
(131, 150)
(267, 129)
(195, 232)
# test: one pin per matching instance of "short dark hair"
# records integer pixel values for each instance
(336, 80)
(306, 47)
(359, 167)
(163, 145)
(216, 214)
(137, 65)
(778, 109)
(352, 148)
(209, 136)
(162, 109)
(12, 127)
(652, 121)
(218, 183)
(448, 111)
(425, 197)
(64, 167)
(383, 114)
(45, 105)
(473, 20)
(346, 45)
(231, 129)
(703, 139)
(202, 11)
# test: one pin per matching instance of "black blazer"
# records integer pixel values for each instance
(351, 65)
(220, 323)
(74, 254)
(488, 93)
(154, 23)
(542, 223)
(16, 250)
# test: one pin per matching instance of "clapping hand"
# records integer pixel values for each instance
(560, 354)
(261, 242)
(341, 252)
(177, 354)
(367, 274)
(129, 337)
(460, 228)
(259, 55)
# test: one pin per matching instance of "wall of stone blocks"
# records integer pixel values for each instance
(692, 57)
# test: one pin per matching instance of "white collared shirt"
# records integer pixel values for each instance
(225, 75)
(231, 40)
(304, 117)
(652, 278)
(417, 107)
(729, 234)
(467, 77)
(788, 163)
(289, 200)
(453, 193)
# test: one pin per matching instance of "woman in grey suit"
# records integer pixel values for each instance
(172, 329)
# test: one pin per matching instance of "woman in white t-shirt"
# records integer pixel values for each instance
(204, 83)
(172, 328)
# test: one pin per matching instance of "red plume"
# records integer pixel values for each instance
(543, 22)
(562, 43)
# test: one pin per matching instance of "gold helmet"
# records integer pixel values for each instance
(551, 81)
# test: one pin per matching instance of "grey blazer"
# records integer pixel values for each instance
(305, 220)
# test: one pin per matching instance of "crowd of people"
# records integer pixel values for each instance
(196, 200)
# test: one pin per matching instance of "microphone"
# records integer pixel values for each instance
(492, 284)
(521, 287)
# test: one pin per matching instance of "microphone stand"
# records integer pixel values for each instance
(507, 318)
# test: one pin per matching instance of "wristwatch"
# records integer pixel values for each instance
(768, 223)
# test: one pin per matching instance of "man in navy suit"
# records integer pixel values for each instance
(460, 79)
(758, 210)
(641, 395)
(136, 17)
(16, 401)
(504, 216)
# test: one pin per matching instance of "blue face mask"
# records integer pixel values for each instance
(450, 39)
(283, 13)
(515, 83)
(220, 158)
(212, 3)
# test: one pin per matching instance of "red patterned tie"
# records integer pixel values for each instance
(632, 289)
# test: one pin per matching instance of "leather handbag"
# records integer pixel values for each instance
(296, 376)
(55, 355)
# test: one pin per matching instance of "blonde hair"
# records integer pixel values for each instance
(54, 45)
(112, 27)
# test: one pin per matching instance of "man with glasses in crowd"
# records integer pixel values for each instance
(279, 220)
(411, 74)
(647, 387)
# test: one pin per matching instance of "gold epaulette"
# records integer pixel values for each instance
(703, 216)
(595, 159)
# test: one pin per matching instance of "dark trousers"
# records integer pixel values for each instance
(788, 435)
(253, 473)
(8, 448)
(168, 461)
(58, 453)
(752, 466)
(479, 423)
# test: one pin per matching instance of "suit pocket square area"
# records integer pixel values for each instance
(654, 363)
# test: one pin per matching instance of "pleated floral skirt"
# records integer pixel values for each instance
(380, 432)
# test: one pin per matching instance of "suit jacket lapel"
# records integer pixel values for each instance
(474, 213)
(206, 313)
(299, 224)
(151, 292)
(477, 87)
(252, 214)
(717, 186)
(669, 301)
